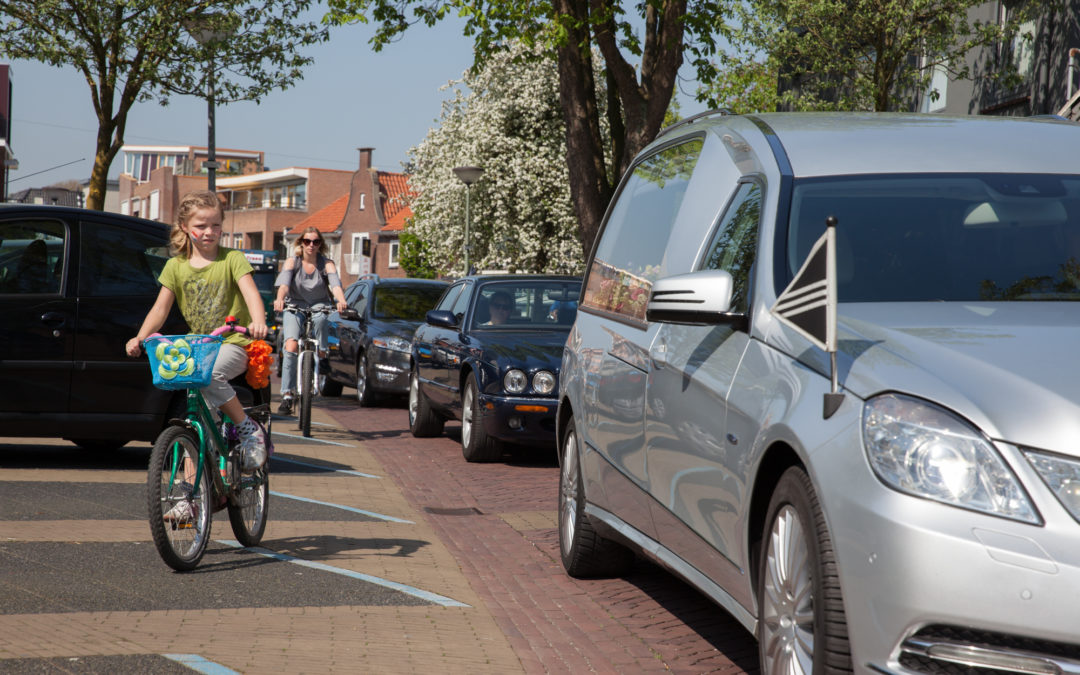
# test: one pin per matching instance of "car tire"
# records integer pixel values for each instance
(476, 445)
(330, 386)
(423, 421)
(99, 444)
(364, 395)
(585, 554)
(800, 602)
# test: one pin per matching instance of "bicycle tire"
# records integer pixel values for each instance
(249, 507)
(181, 544)
(307, 373)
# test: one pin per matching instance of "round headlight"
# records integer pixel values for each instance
(544, 382)
(515, 381)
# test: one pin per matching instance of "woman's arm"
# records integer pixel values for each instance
(284, 280)
(335, 289)
(154, 320)
(248, 289)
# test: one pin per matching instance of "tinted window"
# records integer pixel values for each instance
(527, 305)
(734, 245)
(630, 254)
(31, 256)
(120, 261)
(448, 298)
(360, 299)
(404, 302)
(944, 237)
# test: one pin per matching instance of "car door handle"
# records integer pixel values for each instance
(54, 319)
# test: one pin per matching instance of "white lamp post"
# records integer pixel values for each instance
(468, 175)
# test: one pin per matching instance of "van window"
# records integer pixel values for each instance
(734, 245)
(31, 256)
(118, 261)
(630, 255)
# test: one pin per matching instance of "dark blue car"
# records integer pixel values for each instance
(489, 355)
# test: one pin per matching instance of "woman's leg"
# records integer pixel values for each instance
(290, 334)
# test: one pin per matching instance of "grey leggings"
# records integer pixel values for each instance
(231, 361)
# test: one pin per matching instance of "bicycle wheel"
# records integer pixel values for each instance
(179, 511)
(249, 507)
(307, 383)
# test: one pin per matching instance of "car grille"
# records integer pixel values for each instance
(949, 650)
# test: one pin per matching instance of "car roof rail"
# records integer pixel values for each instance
(719, 112)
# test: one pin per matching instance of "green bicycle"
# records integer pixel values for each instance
(195, 464)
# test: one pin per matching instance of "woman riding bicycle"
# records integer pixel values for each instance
(307, 278)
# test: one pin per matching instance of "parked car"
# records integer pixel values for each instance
(369, 342)
(75, 286)
(489, 354)
(926, 517)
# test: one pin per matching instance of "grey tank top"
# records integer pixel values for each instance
(306, 289)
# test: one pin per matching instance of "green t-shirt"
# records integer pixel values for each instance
(208, 296)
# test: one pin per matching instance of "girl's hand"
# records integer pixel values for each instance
(257, 330)
(133, 347)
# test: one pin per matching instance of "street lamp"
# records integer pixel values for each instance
(209, 30)
(467, 175)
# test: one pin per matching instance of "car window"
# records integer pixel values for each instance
(120, 261)
(734, 245)
(404, 302)
(954, 237)
(351, 294)
(461, 305)
(31, 256)
(360, 301)
(526, 305)
(630, 255)
(446, 303)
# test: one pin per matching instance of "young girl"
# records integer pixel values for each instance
(302, 280)
(211, 283)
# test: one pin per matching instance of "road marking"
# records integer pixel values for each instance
(311, 439)
(433, 598)
(372, 514)
(198, 663)
(327, 468)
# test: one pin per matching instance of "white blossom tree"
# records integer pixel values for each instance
(506, 119)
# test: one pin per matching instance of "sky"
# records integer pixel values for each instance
(350, 97)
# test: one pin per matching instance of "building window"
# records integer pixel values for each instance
(155, 206)
(394, 253)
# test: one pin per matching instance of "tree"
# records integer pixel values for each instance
(642, 46)
(862, 54)
(505, 118)
(743, 87)
(137, 50)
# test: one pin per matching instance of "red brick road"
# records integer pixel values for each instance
(498, 520)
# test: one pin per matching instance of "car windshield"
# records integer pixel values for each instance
(526, 305)
(405, 302)
(970, 237)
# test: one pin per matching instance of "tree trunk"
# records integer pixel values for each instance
(589, 189)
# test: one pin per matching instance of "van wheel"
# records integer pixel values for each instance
(802, 625)
(584, 552)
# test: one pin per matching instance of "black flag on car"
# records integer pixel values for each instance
(808, 304)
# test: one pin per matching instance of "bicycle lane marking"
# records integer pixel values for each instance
(362, 512)
(201, 665)
(434, 598)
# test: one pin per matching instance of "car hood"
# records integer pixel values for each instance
(1009, 368)
(528, 350)
(397, 327)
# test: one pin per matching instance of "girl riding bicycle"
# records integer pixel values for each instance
(210, 283)
(308, 278)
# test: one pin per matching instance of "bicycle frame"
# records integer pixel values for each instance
(201, 420)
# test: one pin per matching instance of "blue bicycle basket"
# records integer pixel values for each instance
(182, 361)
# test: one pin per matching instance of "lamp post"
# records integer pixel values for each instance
(467, 175)
(209, 30)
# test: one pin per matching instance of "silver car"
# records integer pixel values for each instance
(904, 498)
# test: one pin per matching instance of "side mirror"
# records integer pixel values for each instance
(442, 318)
(350, 314)
(698, 298)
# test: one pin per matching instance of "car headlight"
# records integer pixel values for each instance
(1061, 475)
(923, 450)
(515, 381)
(394, 344)
(543, 382)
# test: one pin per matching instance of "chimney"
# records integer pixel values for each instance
(365, 158)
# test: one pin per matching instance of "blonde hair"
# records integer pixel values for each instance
(298, 247)
(189, 204)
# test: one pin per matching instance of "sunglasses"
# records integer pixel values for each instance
(312, 242)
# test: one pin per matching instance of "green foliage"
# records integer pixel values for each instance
(743, 87)
(861, 54)
(138, 50)
(413, 256)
